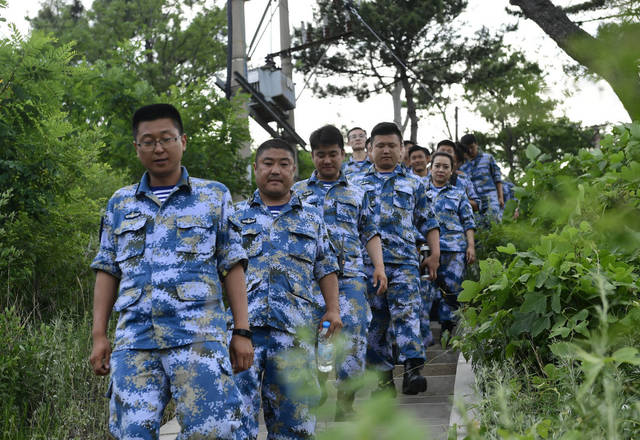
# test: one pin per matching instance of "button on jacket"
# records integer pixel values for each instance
(288, 255)
(169, 258)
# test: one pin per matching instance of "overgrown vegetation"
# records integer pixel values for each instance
(552, 320)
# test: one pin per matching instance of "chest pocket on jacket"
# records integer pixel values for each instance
(403, 200)
(302, 243)
(130, 238)
(450, 202)
(346, 212)
(449, 215)
(195, 235)
(252, 239)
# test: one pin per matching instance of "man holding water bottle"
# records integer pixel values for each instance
(289, 255)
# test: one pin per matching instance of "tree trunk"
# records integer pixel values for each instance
(411, 105)
(555, 23)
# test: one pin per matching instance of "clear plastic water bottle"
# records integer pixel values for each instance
(325, 349)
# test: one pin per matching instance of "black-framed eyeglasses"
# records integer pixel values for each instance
(151, 145)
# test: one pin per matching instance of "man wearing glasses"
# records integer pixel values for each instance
(167, 248)
(359, 161)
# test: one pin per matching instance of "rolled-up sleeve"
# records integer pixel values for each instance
(367, 225)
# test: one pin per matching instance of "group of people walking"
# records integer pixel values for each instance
(219, 304)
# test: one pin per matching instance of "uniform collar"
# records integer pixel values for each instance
(256, 200)
(397, 170)
(144, 186)
(313, 180)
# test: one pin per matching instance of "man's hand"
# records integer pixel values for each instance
(241, 351)
(432, 262)
(334, 318)
(101, 356)
(380, 280)
(471, 254)
(501, 202)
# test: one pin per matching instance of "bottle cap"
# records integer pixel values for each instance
(326, 324)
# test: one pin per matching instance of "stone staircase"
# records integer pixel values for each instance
(432, 409)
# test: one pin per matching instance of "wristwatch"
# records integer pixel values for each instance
(243, 332)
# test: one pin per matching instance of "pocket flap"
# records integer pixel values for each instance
(127, 298)
(134, 224)
(192, 221)
(196, 291)
(300, 229)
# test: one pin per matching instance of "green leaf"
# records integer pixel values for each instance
(540, 325)
(542, 428)
(534, 302)
(627, 355)
(502, 283)
(508, 249)
(532, 152)
(470, 290)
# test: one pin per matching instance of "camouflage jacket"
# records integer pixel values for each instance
(288, 255)
(484, 173)
(169, 258)
(349, 218)
(402, 210)
(354, 167)
(454, 215)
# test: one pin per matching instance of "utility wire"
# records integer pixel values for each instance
(313, 72)
(264, 14)
(351, 7)
(263, 32)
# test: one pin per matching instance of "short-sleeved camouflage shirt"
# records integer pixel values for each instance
(288, 255)
(169, 258)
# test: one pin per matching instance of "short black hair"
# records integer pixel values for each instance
(460, 150)
(276, 143)
(355, 128)
(156, 111)
(367, 142)
(448, 143)
(442, 153)
(468, 139)
(405, 143)
(415, 148)
(385, 128)
(325, 136)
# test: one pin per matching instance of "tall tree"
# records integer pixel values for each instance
(613, 53)
(177, 43)
(509, 92)
(418, 32)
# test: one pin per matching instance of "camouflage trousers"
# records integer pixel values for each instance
(395, 318)
(198, 376)
(428, 295)
(283, 378)
(449, 282)
(356, 316)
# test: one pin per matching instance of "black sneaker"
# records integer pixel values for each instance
(413, 382)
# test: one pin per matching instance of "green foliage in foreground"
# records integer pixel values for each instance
(552, 322)
(47, 388)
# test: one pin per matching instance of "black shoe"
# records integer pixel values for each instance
(322, 381)
(344, 406)
(447, 326)
(413, 382)
(386, 384)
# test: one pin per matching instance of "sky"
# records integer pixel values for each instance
(591, 103)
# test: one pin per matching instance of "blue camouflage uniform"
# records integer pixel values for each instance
(355, 167)
(288, 255)
(455, 216)
(484, 172)
(465, 184)
(171, 335)
(350, 222)
(404, 216)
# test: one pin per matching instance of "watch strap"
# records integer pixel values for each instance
(242, 332)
